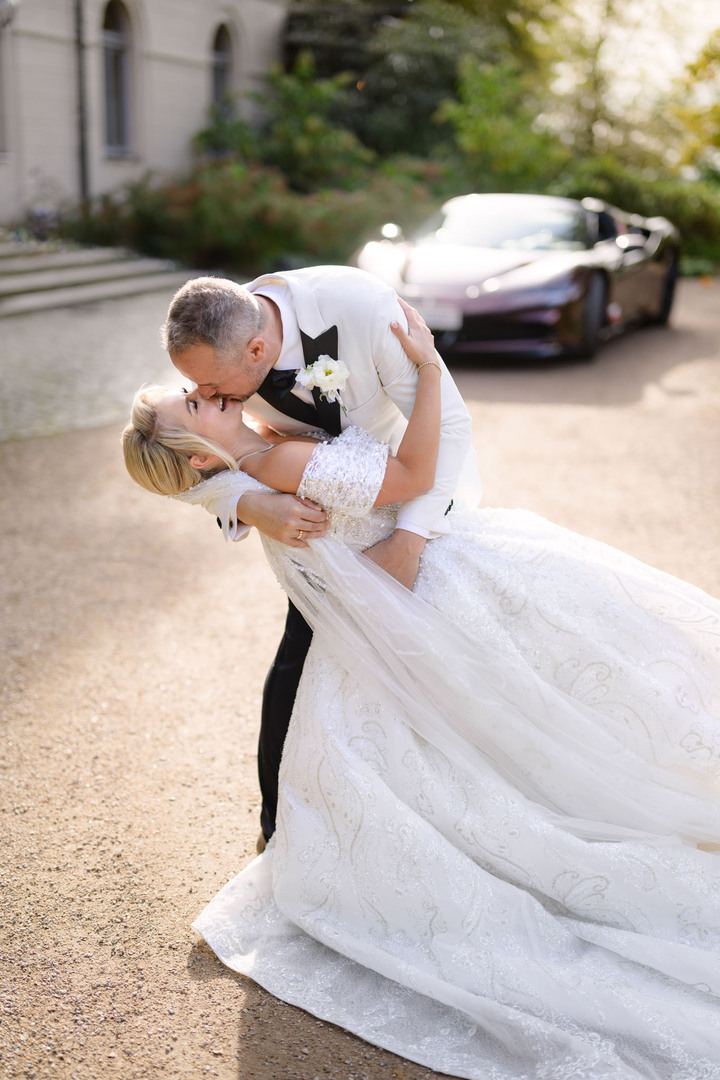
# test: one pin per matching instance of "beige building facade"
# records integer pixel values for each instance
(93, 93)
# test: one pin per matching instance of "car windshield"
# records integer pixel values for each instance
(507, 224)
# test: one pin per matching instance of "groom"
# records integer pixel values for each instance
(248, 343)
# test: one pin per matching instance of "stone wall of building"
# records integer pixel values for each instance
(167, 48)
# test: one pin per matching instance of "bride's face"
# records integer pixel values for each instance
(217, 419)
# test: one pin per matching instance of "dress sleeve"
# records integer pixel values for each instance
(219, 495)
(346, 474)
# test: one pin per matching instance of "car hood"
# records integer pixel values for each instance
(458, 264)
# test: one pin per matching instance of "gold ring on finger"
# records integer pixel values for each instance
(300, 534)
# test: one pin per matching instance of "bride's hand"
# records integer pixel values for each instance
(418, 342)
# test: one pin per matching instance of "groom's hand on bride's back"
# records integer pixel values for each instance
(286, 518)
(399, 556)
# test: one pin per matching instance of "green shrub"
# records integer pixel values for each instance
(336, 223)
(227, 135)
(295, 132)
(222, 214)
(245, 218)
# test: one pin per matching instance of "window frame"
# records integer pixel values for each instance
(222, 63)
(117, 93)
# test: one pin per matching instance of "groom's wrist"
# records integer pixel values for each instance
(244, 510)
(252, 509)
(411, 542)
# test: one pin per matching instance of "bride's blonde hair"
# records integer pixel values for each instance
(158, 458)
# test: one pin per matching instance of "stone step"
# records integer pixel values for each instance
(64, 277)
(10, 249)
(23, 262)
(21, 303)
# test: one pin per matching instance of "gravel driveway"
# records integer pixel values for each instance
(134, 645)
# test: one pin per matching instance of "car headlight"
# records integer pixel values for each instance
(533, 283)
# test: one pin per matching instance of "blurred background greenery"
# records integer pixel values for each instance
(383, 108)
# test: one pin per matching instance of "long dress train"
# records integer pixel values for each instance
(499, 813)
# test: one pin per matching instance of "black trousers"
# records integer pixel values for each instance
(278, 700)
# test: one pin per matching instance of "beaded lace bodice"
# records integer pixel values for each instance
(345, 476)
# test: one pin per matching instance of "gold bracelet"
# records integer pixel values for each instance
(429, 363)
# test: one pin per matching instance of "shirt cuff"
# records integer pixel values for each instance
(225, 511)
(238, 531)
(419, 530)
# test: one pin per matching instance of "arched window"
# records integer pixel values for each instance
(3, 96)
(221, 67)
(8, 9)
(116, 48)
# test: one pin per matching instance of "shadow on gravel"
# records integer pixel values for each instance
(618, 375)
(276, 1039)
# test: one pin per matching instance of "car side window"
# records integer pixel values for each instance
(607, 226)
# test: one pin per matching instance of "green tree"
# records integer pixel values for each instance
(608, 95)
(336, 32)
(698, 111)
(412, 68)
(402, 58)
(300, 134)
(495, 122)
(296, 133)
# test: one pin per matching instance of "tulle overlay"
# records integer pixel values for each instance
(496, 847)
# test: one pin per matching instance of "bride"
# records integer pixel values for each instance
(497, 842)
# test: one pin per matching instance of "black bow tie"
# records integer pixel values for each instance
(281, 381)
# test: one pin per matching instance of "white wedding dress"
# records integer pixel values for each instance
(499, 800)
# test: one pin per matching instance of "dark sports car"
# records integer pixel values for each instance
(531, 275)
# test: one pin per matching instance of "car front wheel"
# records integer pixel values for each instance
(593, 318)
(668, 292)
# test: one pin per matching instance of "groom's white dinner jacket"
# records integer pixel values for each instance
(380, 389)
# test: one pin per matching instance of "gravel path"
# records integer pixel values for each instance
(134, 645)
(78, 367)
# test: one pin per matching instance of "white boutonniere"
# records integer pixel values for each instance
(330, 376)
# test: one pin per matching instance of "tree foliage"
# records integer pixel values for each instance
(297, 133)
(494, 118)
(402, 58)
(698, 110)
(608, 97)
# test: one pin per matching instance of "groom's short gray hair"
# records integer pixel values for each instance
(213, 311)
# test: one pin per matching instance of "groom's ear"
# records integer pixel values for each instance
(255, 349)
(203, 462)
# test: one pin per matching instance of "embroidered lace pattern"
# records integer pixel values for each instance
(499, 800)
(345, 476)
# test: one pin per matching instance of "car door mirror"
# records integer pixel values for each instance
(628, 242)
(391, 231)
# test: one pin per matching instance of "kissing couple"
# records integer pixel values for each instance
(490, 748)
